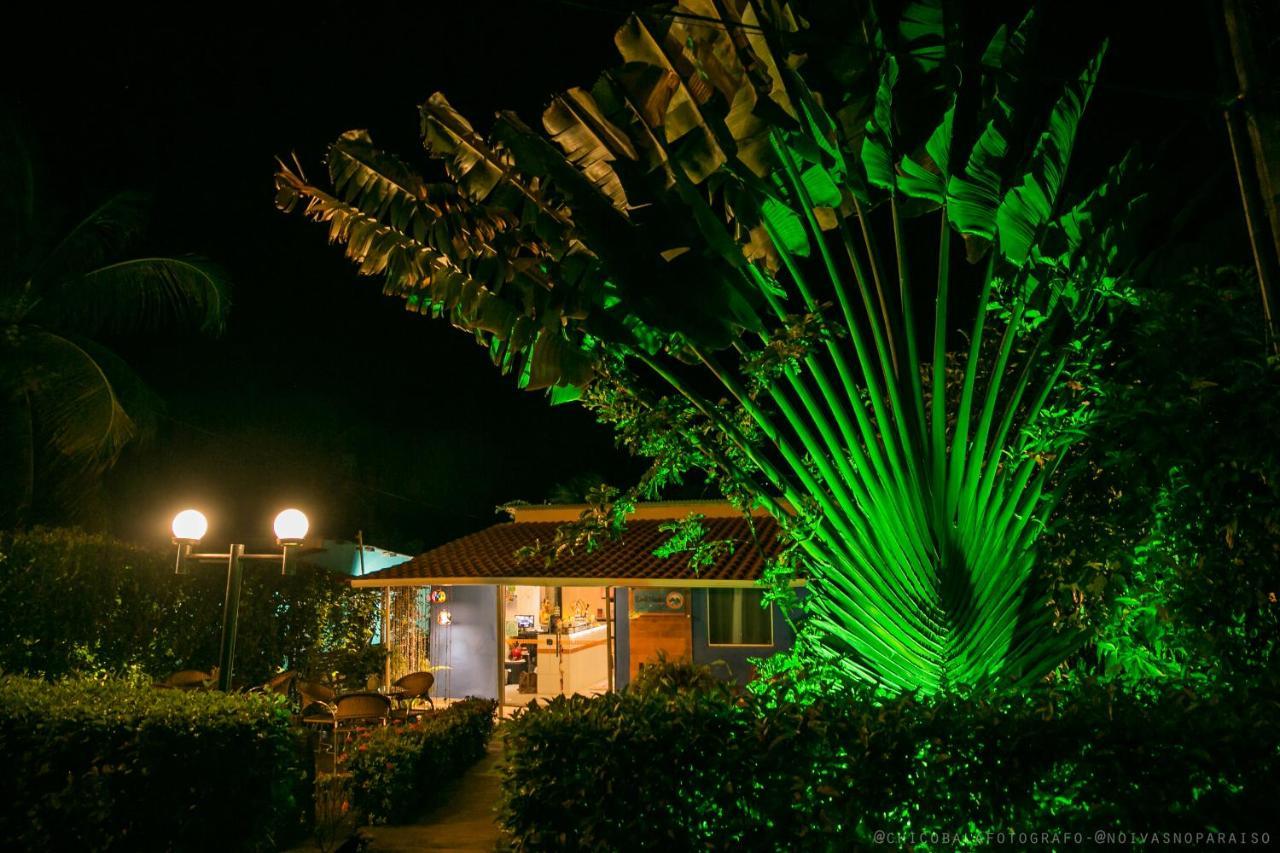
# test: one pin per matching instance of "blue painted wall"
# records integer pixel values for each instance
(468, 646)
(736, 657)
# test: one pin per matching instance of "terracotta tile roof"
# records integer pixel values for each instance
(489, 557)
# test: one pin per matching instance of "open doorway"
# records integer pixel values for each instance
(558, 641)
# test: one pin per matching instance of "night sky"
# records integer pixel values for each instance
(327, 395)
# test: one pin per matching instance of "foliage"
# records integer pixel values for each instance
(681, 766)
(68, 405)
(336, 825)
(79, 602)
(113, 765)
(729, 248)
(396, 769)
(1173, 544)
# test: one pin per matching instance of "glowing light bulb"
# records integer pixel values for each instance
(190, 525)
(291, 526)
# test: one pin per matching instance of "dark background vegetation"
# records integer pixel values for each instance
(329, 396)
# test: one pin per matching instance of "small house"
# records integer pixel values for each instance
(514, 628)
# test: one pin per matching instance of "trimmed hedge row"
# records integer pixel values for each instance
(75, 602)
(110, 765)
(395, 769)
(682, 767)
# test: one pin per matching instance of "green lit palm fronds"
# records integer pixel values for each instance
(68, 405)
(740, 247)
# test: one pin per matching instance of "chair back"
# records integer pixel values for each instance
(416, 684)
(312, 692)
(189, 679)
(362, 706)
(280, 683)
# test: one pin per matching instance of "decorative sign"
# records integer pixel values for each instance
(660, 600)
(438, 596)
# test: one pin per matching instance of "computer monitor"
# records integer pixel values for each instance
(524, 623)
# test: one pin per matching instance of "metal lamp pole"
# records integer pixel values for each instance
(189, 528)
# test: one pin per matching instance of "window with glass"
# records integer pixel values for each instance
(738, 617)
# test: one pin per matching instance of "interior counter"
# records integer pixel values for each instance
(582, 657)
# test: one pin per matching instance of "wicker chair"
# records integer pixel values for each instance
(280, 684)
(313, 692)
(352, 708)
(189, 679)
(416, 685)
(345, 713)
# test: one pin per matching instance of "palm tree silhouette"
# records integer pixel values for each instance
(68, 405)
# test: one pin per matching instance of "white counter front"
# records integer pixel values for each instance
(582, 660)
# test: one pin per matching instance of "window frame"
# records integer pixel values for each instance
(768, 609)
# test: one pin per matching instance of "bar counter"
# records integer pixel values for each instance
(583, 657)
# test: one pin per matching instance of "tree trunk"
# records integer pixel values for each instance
(1253, 123)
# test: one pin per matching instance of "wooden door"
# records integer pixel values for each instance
(666, 629)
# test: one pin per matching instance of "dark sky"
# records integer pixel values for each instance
(323, 393)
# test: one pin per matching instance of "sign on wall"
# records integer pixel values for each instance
(660, 600)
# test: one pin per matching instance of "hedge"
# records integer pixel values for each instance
(703, 767)
(74, 602)
(396, 769)
(109, 765)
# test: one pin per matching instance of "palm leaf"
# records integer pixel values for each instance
(707, 224)
(104, 234)
(71, 398)
(1027, 206)
(589, 140)
(139, 294)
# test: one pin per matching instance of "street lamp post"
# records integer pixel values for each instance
(190, 526)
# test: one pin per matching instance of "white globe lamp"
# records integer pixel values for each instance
(189, 527)
(291, 527)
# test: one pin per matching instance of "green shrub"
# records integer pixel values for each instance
(109, 765)
(78, 602)
(1172, 547)
(711, 769)
(395, 769)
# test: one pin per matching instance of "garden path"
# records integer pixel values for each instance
(462, 819)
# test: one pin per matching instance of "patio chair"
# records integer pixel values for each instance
(189, 679)
(313, 692)
(353, 710)
(416, 685)
(280, 684)
(345, 713)
(362, 707)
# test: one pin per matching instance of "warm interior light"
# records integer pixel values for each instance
(291, 526)
(190, 525)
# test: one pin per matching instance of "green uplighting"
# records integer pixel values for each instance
(762, 283)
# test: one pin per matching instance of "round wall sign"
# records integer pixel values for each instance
(675, 600)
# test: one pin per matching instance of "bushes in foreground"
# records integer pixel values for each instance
(109, 765)
(704, 768)
(394, 770)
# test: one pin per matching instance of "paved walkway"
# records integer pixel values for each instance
(461, 819)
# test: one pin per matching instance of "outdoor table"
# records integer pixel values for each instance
(395, 694)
